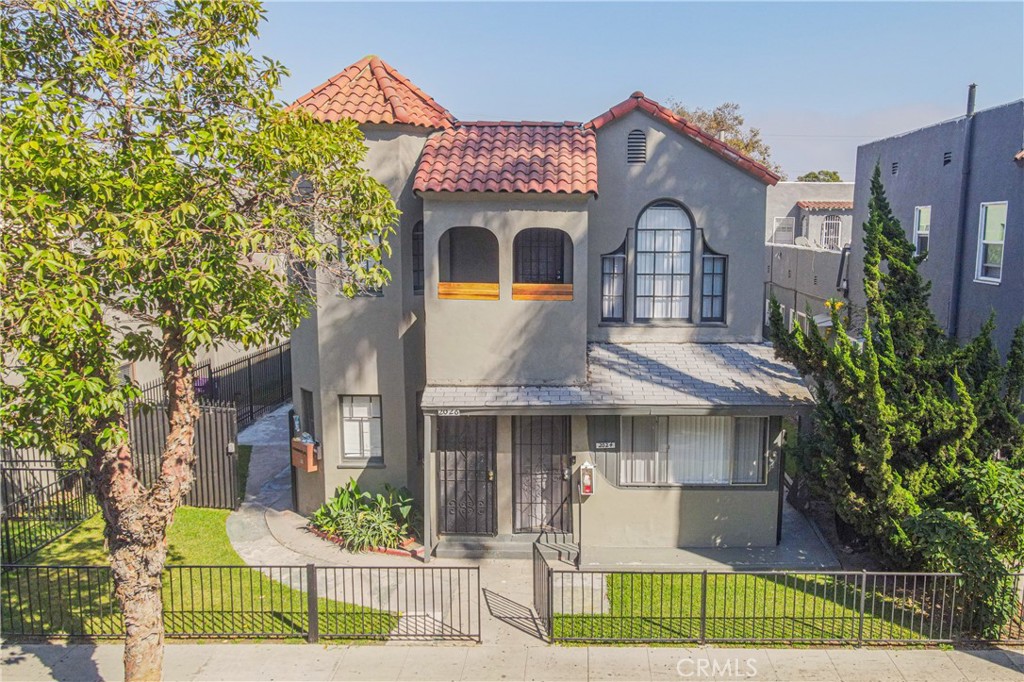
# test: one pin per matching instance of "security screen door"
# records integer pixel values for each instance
(465, 452)
(541, 473)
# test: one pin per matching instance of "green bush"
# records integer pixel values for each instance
(363, 520)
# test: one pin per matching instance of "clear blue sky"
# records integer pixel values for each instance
(817, 78)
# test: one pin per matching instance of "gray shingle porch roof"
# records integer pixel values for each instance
(676, 375)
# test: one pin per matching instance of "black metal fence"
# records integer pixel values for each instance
(36, 518)
(759, 606)
(310, 602)
(256, 383)
(216, 472)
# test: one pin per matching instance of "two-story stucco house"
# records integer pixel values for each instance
(564, 296)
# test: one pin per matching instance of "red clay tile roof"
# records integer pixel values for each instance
(371, 91)
(638, 101)
(525, 156)
(826, 205)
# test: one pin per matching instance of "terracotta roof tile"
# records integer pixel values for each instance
(826, 205)
(528, 156)
(638, 101)
(372, 91)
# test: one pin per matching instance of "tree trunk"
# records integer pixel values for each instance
(137, 519)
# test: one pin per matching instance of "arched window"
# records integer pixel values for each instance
(417, 258)
(831, 232)
(468, 260)
(664, 245)
(636, 147)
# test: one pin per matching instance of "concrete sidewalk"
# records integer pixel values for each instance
(426, 663)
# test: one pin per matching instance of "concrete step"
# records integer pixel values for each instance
(518, 546)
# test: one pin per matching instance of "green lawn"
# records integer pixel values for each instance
(244, 458)
(658, 607)
(218, 597)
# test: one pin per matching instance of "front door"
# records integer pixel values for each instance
(466, 448)
(541, 470)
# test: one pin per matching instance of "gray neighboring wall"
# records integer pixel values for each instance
(923, 179)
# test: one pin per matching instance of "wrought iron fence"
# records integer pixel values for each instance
(759, 606)
(37, 518)
(246, 602)
(256, 383)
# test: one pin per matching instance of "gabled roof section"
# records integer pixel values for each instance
(372, 91)
(638, 101)
(525, 156)
(826, 205)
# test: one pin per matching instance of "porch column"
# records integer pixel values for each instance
(429, 484)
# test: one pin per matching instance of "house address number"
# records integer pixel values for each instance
(448, 413)
(605, 445)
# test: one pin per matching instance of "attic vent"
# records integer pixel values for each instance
(895, 167)
(947, 158)
(636, 147)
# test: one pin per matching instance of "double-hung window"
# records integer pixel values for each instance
(712, 308)
(360, 428)
(991, 236)
(613, 285)
(664, 243)
(694, 451)
(922, 228)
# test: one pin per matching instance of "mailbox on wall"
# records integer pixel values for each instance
(304, 455)
(586, 479)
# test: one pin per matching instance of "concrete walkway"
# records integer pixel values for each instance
(426, 663)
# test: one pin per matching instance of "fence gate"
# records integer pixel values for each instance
(216, 472)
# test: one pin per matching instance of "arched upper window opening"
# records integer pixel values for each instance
(831, 232)
(542, 265)
(468, 261)
(417, 258)
(664, 249)
(636, 147)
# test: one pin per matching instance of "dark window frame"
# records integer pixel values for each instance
(617, 256)
(637, 253)
(705, 296)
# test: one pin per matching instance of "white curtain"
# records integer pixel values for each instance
(750, 451)
(698, 450)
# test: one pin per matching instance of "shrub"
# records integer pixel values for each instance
(363, 520)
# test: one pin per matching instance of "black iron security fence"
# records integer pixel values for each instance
(257, 602)
(759, 606)
(38, 517)
(256, 383)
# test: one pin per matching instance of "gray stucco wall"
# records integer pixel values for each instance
(782, 198)
(802, 277)
(370, 345)
(923, 180)
(727, 206)
(505, 342)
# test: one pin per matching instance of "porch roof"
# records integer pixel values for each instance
(699, 376)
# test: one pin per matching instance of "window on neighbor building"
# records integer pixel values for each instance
(712, 308)
(831, 232)
(361, 435)
(922, 228)
(613, 285)
(991, 236)
(695, 451)
(417, 258)
(664, 243)
(783, 230)
(636, 147)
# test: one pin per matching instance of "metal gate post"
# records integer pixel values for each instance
(280, 370)
(551, 604)
(863, 601)
(312, 605)
(703, 606)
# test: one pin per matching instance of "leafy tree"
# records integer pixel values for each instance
(908, 425)
(726, 120)
(156, 199)
(820, 176)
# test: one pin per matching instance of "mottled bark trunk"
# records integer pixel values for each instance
(137, 519)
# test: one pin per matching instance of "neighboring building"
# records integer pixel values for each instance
(564, 295)
(808, 229)
(957, 188)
